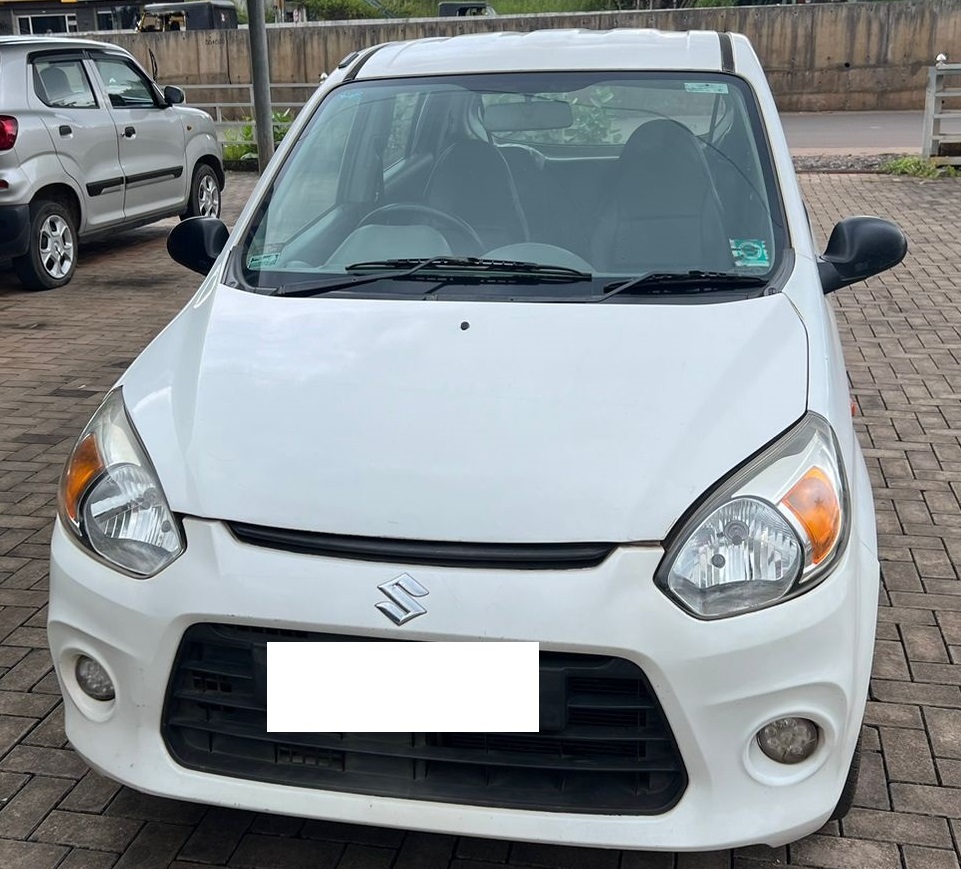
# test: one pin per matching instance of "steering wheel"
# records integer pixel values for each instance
(461, 236)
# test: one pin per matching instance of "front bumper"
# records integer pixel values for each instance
(14, 230)
(717, 682)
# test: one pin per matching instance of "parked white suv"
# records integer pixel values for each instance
(521, 337)
(89, 145)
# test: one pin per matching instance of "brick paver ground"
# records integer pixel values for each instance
(60, 351)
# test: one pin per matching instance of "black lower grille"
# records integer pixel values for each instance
(603, 747)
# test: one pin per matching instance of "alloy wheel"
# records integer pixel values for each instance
(56, 247)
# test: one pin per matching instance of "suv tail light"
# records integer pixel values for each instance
(8, 132)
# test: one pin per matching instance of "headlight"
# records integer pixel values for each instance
(772, 531)
(111, 499)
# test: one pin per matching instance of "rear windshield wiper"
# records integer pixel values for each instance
(399, 269)
(692, 281)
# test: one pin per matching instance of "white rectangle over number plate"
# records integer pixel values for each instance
(372, 687)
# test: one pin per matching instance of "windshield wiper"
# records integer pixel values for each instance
(400, 269)
(509, 271)
(692, 281)
(487, 269)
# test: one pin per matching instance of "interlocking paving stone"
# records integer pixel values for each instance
(21, 815)
(273, 852)
(647, 860)
(366, 857)
(704, 860)
(907, 755)
(897, 827)
(216, 837)
(29, 855)
(155, 846)
(530, 854)
(901, 331)
(840, 853)
(78, 858)
(929, 858)
(92, 793)
(487, 850)
(97, 832)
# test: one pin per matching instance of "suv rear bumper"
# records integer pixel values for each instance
(14, 230)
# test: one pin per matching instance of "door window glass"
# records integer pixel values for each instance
(63, 84)
(126, 87)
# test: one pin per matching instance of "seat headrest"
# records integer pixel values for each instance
(661, 135)
(55, 82)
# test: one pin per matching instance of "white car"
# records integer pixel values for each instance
(521, 337)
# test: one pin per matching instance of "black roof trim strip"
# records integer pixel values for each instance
(352, 72)
(727, 52)
(499, 556)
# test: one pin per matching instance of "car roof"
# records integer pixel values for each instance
(53, 42)
(547, 50)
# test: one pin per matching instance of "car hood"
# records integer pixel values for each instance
(456, 421)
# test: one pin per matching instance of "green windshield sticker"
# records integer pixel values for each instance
(750, 252)
(705, 87)
(263, 261)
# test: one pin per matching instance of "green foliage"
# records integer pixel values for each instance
(530, 7)
(240, 142)
(342, 10)
(918, 167)
(347, 10)
(712, 3)
(338, 10)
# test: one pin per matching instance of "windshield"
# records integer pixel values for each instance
(610, 175)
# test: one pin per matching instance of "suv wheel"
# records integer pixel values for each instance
(51, 259)
(204, 194)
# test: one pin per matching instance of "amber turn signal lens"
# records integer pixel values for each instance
(815, 503)
(84, 465)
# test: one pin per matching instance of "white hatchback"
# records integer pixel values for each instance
(521, 337)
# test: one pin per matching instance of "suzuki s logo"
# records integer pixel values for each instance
(402, 607)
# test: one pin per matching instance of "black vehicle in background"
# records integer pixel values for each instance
(190, 15)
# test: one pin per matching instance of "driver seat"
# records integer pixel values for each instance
(472, 181)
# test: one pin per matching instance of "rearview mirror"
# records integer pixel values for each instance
(173, 95)
(197, 242)
(860, 247)
(528, 115)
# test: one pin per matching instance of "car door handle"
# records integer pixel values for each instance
(66, 130)
(129, 132)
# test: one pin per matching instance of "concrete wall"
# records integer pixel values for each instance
(839, 56)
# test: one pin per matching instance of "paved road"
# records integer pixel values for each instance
(854, 132)
(60, 351)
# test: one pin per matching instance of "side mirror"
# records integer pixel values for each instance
(173, 95)
(860, 247)
(197, 242)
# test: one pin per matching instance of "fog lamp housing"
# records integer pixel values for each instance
(93, 679)
(789, 740)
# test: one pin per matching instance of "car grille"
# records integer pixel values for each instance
(603, 747)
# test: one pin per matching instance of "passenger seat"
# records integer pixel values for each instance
(663, 213)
